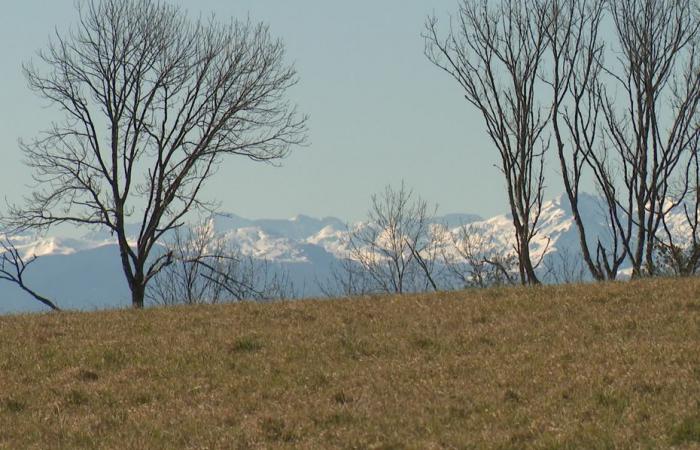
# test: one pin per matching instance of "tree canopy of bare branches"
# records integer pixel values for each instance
(623, 113)
(474, 260)
(207, 269)
(152, 102)
(575, 65)
(395, 250)
(495, 50)
(630, 114)
(651, 126)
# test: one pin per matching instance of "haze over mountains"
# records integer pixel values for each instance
(85, 273)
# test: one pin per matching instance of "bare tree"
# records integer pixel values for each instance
(630, 121)
(576, 57)
(629, 124)
(153, 102)
(495, 50)
(206, 269)
(13, 267)
(649, 99)
(474, 259)
(395, 249)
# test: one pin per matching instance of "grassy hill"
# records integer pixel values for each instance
(612, 366)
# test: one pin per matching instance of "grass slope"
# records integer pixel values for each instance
(613, 366)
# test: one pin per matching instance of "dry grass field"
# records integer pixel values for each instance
(612, 366)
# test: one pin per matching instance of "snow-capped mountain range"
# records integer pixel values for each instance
(85, 273)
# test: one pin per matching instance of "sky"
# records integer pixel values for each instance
(379, 111)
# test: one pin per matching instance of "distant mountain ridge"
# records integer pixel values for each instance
(85, 273)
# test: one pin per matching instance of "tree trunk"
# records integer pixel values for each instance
(528, 268)
(138, 293)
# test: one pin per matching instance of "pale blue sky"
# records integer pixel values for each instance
(379, 110)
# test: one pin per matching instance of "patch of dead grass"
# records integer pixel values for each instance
(609, 366)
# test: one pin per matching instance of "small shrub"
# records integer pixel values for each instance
(13, 406)
(355, 347)
(480, 320)
(76, 398)
(511, 396)
(339, 419)
(611, 401)
(644, 388)
(276, 430)
(693, 306)
(246, 345)
(424, 343)
(688, 431)
(485, 341)
(342, 398)
(114, 358)
(143, 398)
(87, 375)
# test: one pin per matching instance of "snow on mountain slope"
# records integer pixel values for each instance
(554, 228)
(332, 239)
(29, 246)
(296, 228)
(253, 241)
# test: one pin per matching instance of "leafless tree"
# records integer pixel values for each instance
(396, 248)
(576, 57)
(153, 102)
(473, 258)
(206, 269)
(628, 123)
(13, 267)
(631, 120)
(649, 98)
(495, 50)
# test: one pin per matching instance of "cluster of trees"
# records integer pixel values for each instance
(403, 247)
(154, 101)
(612, 88)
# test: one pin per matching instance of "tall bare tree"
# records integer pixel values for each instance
(395, 251)
(649, 99)
(576, 57)
(495, 50)
(153, 102)
(629, 122)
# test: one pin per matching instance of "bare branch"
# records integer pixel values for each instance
(12, 269)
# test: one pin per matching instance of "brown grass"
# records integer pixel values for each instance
(613, 366)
